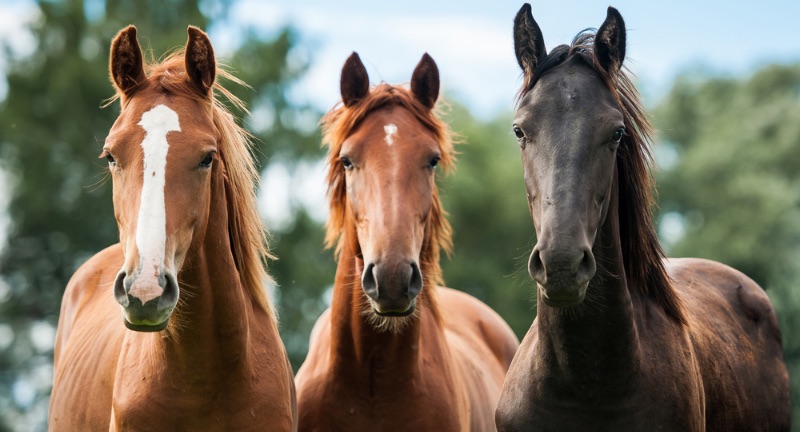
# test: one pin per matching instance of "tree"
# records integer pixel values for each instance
(492, 231)
(730, 190)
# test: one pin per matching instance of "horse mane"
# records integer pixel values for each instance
(341, 122)
(643, 256)
(248, 236)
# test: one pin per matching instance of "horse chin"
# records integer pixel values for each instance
(389, 321)
(404, 313)
(574, 298)
(146, 328)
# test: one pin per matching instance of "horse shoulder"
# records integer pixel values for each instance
(484, 346)
(88, 341)
(96, 274)
(316, 365)
(473, 320)
(704, 284)
(735, 333)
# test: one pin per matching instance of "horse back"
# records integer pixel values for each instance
(483, 345)
(88, 341)
(737, 342)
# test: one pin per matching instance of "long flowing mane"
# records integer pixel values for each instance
(642, 253)
(341, 122)
(248, 236)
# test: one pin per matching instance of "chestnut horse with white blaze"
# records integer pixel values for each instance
(396, 351)
(196, 345)
(623, 340)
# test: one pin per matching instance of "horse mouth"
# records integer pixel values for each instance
(146, 328)
(404, 313)
(562, 299)
(559, 303)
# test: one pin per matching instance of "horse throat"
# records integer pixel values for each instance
(596, 341)
(356, 340)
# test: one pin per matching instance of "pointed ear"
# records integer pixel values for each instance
(425, 81)
(528, 41)
(125, 63)
(354, 84)
(609, 43)
(200, 63)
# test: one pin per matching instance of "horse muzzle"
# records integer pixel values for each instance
(147, 303)
(392, 288)
(562, 276)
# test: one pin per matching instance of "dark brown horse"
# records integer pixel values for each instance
(396, 351)
(623, 340)
(195, 346)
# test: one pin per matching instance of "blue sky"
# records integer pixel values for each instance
(472, 43)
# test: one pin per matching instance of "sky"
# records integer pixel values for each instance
(471, 40)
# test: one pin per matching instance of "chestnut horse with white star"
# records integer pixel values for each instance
(396, 351)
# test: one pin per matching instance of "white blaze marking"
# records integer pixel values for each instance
(151, 227)
(390, 130)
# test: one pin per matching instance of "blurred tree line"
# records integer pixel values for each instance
(729, 150)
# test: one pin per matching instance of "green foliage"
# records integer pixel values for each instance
(288, 135)
(492, 230)
(736, 186)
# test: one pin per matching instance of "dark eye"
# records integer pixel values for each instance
(207, 160)
(435, 161)
(348, 165)
(618, 134)
(109, 158)
(518, 132)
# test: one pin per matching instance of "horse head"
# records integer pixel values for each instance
(569, 125)
(161, 152)
(385, 146)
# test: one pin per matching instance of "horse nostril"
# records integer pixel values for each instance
(414, 282)
(120, 293)
(586, 267)
(170, 295)
(536, 267)
(369, 283)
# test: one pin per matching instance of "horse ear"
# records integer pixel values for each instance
(425, 81)
(354, 84)
(126, 66)
(609, 43)
(528, 41)
(200, 63)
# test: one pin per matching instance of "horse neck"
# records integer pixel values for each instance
(212, 319)
(596, 341)
(356, 342)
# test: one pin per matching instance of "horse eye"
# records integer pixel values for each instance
(618, 134)
(435, 161)
(207, 160)
(518, 132)
(109, 158)
(348, 165)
